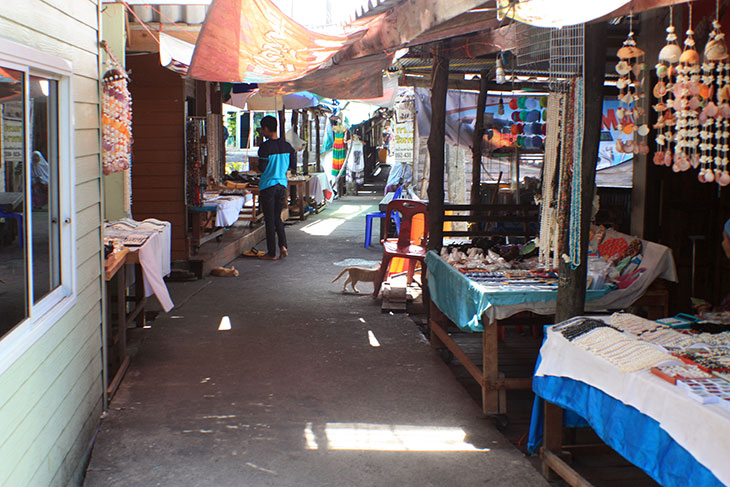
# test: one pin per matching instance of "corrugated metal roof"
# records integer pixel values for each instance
(368, 8)
(169, 14)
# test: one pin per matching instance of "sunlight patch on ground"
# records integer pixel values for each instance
(323, 228)
(225, 324)
(396, 438)
(371, 338)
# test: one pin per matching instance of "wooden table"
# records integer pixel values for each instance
(200, 219)
(493, 384)
(116, 267)
(254, 213)
(301, 184)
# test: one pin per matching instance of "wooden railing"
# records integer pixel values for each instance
(482, 217)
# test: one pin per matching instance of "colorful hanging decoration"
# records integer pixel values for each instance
(338, 149)
(686, 106)
(716, 111)
(116, 121)
(630, 115)
(663, 91)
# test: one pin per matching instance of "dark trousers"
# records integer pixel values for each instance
(273, 200)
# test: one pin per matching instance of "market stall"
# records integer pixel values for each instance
(146, 247)
(657, 395)
(477, 289)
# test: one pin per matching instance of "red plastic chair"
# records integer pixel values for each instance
(403, 246)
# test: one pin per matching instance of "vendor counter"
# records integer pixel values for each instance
(474, 305)
(655, 424)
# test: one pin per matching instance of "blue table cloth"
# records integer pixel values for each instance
(464, 301)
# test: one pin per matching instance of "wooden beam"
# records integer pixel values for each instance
(467, 23)
(572, 282)
(282, 125)
(403, 23)
(436, 146)
(453, 84)
(638, 6)
(140, 40)
(476, 149)
(484, 43)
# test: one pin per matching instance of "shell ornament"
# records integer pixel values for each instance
(116, 122)
(630, 115)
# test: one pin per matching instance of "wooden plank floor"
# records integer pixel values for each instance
(518, 353)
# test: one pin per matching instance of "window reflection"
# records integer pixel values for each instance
(13, 299)
(44, 185)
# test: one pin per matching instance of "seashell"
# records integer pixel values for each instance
(725, 110)
(659, 158)
(694, 103)
(702, 117)
(659, 107)
(643, 130)
(620, 113)
(690, 56)
(723, 179)
(628, 52)
(704, 91)
(670, 53)
(701, 176)
(710, 109)
(667, 158)
(622, 83)
(643, 148)
(723, 95)
(660, 89)
(637, 69)
(693, 88)
(675, 167)
(628, 129)
(627, 99)
(679, 90)
(716, 50)
(694, 161)
(619, 146)
(637, 112)
(709, 176)
(669, 119)
(661, 70)
(623, 68)
(629, 147)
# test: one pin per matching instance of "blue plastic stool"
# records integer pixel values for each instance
(381, 214)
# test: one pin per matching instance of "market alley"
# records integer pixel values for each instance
(276, 378)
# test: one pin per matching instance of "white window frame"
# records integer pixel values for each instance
(58, 302)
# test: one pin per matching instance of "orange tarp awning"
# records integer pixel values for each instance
(252, 41)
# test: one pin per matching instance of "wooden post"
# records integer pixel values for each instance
(317, 145)
(295, 121)
(572, 282)
(436, 141)
(476, 149)
(305, 136)
(282, 124)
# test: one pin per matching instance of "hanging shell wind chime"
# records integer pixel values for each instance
(663, 91)
(686, 106)
(630, 115)
(714, 116)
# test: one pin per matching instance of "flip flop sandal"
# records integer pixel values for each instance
(253, 253)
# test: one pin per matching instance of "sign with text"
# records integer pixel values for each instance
(403, 150)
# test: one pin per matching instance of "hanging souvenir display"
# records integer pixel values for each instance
(714, 116)
(663, 91)
(116, 121)
(630, 115)
(548, 241)
(686, 92)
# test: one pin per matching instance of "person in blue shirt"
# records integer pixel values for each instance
(276, 157)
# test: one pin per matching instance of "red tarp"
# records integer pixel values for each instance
(252, 41)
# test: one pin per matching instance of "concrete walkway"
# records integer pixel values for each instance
(309, 387)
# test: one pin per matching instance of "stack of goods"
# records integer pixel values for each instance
(696, 355)
(622, 350)
(613, 259)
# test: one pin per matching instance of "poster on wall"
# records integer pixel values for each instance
(610, 132)
(13, 145)
(403, 148)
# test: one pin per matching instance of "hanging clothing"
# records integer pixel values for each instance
(356, 164)
(338, 150)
